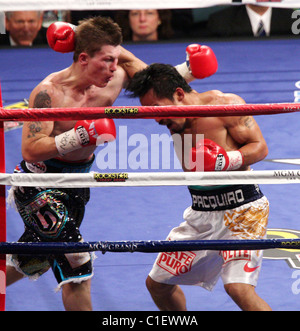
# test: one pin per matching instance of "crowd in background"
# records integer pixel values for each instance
(29, 28)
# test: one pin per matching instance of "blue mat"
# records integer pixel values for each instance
(260, 72)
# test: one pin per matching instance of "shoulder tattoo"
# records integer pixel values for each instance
(42, 100)
(248, 121)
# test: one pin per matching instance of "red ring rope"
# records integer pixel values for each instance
(3, 216)
(68, 114)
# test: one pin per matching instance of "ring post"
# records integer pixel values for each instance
(2, 215)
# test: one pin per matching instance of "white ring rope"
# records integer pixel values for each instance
(94, 179)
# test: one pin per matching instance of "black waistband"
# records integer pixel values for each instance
(228, 197)
(57, 166)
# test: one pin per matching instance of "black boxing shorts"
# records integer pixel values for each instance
(53, 215)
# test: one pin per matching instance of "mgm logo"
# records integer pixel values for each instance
(292, 256)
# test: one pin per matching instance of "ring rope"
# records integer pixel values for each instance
(140, 179)
(2, 210)
(149, 246)
(68, 114)
(95, 179)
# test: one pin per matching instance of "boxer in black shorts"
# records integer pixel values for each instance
(52, 215)
(95, 78)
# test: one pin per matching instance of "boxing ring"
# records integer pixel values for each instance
(120, 215)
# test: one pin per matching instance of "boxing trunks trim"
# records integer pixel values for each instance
(57, 166)
(224, 198)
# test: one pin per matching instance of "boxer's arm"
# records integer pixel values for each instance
(130, 63)
(200, 63)
(37, 143)
(246, 132)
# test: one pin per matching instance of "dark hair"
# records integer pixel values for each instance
(95, 32)
(164, 79)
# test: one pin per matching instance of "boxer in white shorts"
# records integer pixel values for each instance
(217, 214)
(224, 143)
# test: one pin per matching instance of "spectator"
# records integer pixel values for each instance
(251, 20)
(145, 25)
(24, 28)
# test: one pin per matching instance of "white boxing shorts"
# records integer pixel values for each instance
(226, 213)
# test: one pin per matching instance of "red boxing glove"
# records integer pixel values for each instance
(61, 37)
(90, 132)
(209, 156)
(86, 133)
(201, 61)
